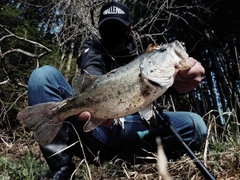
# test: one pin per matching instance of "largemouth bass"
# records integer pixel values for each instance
(121, 92)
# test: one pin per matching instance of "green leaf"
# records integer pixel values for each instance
(25, 172)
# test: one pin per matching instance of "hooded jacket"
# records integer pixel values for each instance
(96, 60)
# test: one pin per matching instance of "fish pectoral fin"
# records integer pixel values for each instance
(92, 123)
(82, 81)
(147, 112)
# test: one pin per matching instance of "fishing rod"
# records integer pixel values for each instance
(165, 123)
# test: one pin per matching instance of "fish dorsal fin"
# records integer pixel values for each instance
(82, 81)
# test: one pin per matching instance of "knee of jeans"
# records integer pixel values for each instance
(44, 71)
(200, 132)
(42, 74)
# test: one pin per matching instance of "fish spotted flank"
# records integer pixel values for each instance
(119, 93)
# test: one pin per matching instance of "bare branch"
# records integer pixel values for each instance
(4, 82)
(24, 39)
(23, 52)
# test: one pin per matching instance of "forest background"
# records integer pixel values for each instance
(34, 33)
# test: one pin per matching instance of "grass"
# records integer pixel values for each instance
(20, 158)
(26, 168)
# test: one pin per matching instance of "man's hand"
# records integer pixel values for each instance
(187, 80)
(84, 116)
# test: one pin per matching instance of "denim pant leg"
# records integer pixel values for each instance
(190, 127)
(47, 84)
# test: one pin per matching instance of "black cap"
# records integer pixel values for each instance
(115, 10)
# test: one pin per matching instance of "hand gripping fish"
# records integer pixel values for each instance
(121, 92)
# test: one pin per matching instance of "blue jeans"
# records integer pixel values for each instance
(48, 84)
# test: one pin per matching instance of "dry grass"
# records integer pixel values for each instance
(220, 155)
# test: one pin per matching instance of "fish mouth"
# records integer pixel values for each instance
(162, 83)
(153, 83)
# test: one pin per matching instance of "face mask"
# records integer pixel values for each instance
(114, 35)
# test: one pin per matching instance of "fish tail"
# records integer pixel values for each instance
(42, 120)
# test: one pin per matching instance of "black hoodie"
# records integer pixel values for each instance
(96, 60)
